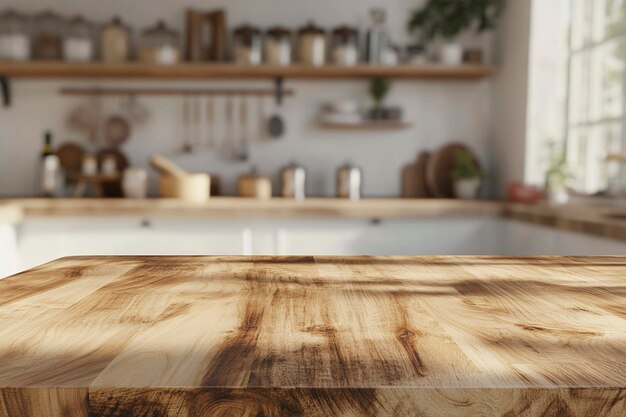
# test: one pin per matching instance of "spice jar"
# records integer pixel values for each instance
(78, 44)
(312, 45)
(278, 46)
(14, 40)
(345, 46)
(48, 42)
(115, 41)
(247, 45)
(159, 45)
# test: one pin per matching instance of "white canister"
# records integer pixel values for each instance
(278, 46)
(77, 49)
(15, 46)
(135, 183)
(346, 56)
(14, 39)
(312, 45)
(451, 54)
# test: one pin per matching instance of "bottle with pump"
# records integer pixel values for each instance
(50, 169)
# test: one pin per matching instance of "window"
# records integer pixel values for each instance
(596, 119)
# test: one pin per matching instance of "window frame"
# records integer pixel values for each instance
(586, 51)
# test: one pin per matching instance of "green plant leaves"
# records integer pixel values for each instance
(447, 18)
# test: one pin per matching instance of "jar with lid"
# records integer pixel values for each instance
(115, 41)
(78, 44)
(312, 45)
(349, 179)
(159, 45)
(293, 181)
(278, 46)
(247, 45)
(48, 41)
(14, 38)
(345, 46)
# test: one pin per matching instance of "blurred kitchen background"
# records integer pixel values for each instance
(517, 102)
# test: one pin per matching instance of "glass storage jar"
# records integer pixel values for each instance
(78, 44)
(312, 45)
(159, 45)
(14, 38)
(115, 41)
(247, 45)
(345, 46)
(48, 40)
(278, 46)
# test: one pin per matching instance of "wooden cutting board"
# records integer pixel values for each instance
(414, 178)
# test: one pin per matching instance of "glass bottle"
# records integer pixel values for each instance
(50, 169)
(377, 38)
(14, 39)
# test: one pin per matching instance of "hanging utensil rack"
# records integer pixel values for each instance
(279, 92)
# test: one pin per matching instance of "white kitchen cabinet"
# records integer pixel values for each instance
(40, 241)
(8, 250)
(44, 240)
(385, 237)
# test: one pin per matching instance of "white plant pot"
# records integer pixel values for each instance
(558, 195)
(467, 189)
(451, 54)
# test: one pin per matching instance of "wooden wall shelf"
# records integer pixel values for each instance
(230, 71)
(366, 125)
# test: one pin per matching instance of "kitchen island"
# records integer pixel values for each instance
(315, 336)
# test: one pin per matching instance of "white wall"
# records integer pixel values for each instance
(440, 111)
(510, 95)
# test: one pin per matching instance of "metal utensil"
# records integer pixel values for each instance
(261, 120)
(196, 139)
(187, 147)
(210, 127)
(229, 128)
(242, 149)
(276, 124)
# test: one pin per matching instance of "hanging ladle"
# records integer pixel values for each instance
(276, 124)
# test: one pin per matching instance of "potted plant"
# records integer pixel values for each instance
(467, 175)
(557, 175)
(446, 19)
(379, 88)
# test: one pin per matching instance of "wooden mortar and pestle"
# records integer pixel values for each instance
(175, 182)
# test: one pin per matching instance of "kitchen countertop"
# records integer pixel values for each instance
(245, 207)
(591, 219)
(315, 336)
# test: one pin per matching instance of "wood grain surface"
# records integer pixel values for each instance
(315, 336)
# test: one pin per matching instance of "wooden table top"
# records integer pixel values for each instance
(315, 336)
